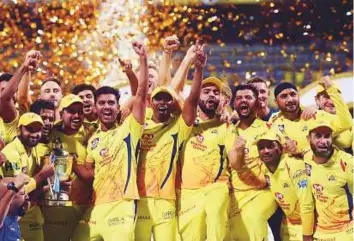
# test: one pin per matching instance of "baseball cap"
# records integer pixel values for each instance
(164, 89)
(319, 123)
(269, 135)
(29, 118)
(68, 100)
(214, 81)
(320, 87)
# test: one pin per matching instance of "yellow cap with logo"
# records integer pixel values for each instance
(320, 88)
(164, 89)
(68, 100)
(213, 80)
(268, 135)
(319, 123)
(29, 118)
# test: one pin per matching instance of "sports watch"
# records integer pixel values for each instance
(12, 186)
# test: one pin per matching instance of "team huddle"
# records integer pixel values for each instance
(171, 167)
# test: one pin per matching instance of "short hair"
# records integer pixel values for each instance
(257, 79)
(151, 65)
(40, 104)
(247, 87)
(81, 87)
(53, 79)
(107, 90)
(5, 77)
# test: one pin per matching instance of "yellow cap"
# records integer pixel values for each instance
(29, 118)
(214, 81)
(164, 89)
(319, 123)
(320, 87)
(268, 135)
(68, 100)
(226, 90)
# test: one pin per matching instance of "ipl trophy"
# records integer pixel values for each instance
(62, 161)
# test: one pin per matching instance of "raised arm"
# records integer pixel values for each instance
(170, 44)
(237, 154)
(128, 70)
(8, 110)
(139, 104)
(23, 97)
(190, 105)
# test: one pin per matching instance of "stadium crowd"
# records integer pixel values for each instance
(174, 168)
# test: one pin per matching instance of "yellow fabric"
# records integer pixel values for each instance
(202, 212)
(332, 185)
(291, 232)
(18, 161)
(346, 234)
(9, 129)
(108, 221)
(297, 130)
(203, 160)
(114, 155)
(247, 181)
(41, 150)
(76, 145)
(31, 225)
(160, 144)
(344, 140)
(250, 222)
(60, 222)
(29, 118)
(156, 217)
(31, 186)
(289, 185)
(213, 80)
(68, 100)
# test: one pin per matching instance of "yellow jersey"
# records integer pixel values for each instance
(157, 165)
(297, 130)
(114, 154)
(247, 181)
(76, 146)
(332, 188)
(8, 131)
(290, 187)
(203, 160)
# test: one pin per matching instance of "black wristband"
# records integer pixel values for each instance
(12, 186)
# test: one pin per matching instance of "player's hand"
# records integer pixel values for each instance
(66, 185)
(307, 238)
(170, 44)
(139, 49)
(32, 60)
(240, 145)
(201, 59)
(48, 170)
(309, 112)
(126, 65)
(191, 53)
(21, 180)
(326, 82)
(290, 147)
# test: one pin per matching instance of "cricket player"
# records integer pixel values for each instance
(330, 172)
(203, 195)
(287, 179)
(163, 137)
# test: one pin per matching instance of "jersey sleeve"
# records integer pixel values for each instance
(184, 129)
(303, 192)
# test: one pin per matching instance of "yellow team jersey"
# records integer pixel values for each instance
(8, 131)
(114, 154)
(76, 146)
(332, 188)
(41, 150)
(157, 165)
(344, 140)
(203, 160)
(289, 185)
(297, 130)
(250, 178)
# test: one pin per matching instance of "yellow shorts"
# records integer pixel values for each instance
(249, 222)
(60, 221)
(157, 217)
(344, 235)
(291, 232)
(31, 225)
(109, 222)
(202, 213)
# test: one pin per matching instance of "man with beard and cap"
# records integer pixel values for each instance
(87, 93)
(251, 204)
(12, 205)
(330, 172)
(288, 182)
(203, 188)
(163, 136)
(292, 128)
(324, 102)
(20, 157)
(9, 115)
(112, 164)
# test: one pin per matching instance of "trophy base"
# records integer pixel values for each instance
(60, 203)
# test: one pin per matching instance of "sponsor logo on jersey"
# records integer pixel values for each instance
(104, 152)
(317, 187)
(200, 138)
(302, 184)
(285, 185)
(148, 136)
(279, 196)
(298, 173)
(94, 143)
(331, 178)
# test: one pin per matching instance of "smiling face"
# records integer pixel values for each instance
(245, 103)
(31, 134)
(263, 93)
(325, 103)
(288, 101)
(321, 141)
(269, 151)
(48, 117)
(73, 116)
(107, 108)
(89, 101)
(209, 98)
